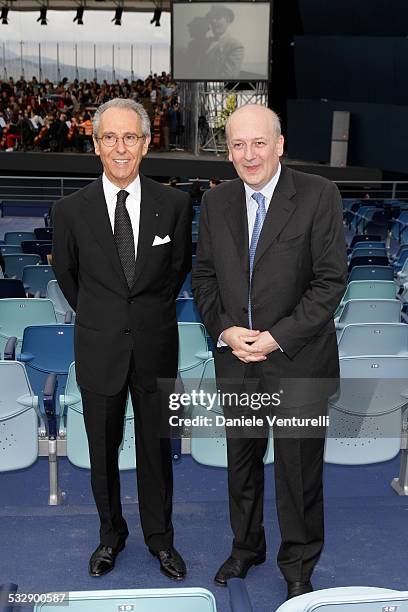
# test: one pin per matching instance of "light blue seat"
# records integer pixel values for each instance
(348, 599)
(18, 313)
(371, 272)
(357, 290)
(374, 339)
(18, 418)
(187, 311)
(140, 600)
(369, 311)
(14, 264)
(10, 249)
(366, 415)
(36, 279)
(208, 443)
(61, 305)
(18, 237)
(77, 443)
(193, 353)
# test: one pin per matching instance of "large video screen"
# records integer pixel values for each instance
(220, 41)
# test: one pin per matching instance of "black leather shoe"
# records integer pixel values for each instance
(298, 588)
(103, 558)
(235, 568)
(171, 563)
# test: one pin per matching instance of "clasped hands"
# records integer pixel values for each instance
(249, 344)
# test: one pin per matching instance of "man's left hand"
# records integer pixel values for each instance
(264, 344)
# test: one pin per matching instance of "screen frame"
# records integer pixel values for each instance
(269, 60)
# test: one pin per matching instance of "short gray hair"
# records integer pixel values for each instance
(127, 103)
(274, 117)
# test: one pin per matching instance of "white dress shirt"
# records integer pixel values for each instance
(252, 207)
(132, 203)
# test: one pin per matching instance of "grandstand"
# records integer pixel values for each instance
(48, 517)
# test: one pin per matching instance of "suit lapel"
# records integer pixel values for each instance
(150, 211)
(96, 214)
(237, 221)
(279, 212)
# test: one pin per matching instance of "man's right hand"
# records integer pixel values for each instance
(239, 339)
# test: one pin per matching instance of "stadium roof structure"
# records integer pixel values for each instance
(147, 6)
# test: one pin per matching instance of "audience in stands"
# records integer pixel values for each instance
(57, 117)
(214, 181)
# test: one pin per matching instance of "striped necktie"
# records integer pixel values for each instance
(259, 220)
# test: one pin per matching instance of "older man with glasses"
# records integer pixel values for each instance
(122, 248)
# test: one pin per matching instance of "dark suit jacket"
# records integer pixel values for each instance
(298, 279)
(112, 320)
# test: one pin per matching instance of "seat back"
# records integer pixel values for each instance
(18, 418)
(366, 414)
(208, 440)
(77, 443)
(36, 279)
(10, 249)
(364, 238)
(357, 290)
(369, 252)
(369, 245)
(14, 264)
(140, 600)
(18, 313)
(368, 260)
(18, 237)
(187, 311)
(55, 294)
(193, 353)
(11, 288)
(374, 339)
(371, 272)
(370, 311)
(43, 233)
(349, 599)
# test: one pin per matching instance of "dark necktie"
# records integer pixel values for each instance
(124, 239)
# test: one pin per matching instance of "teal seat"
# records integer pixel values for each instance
(193, 353)
(77, 442)
(18, 237)
(139, 600)
(10, 249)
(18, 313)
(368, 289)
(18, 418)
(14, 264)
(36, 279)
(208, 443)
(61, 305)
(359, 339)
(366, 415)
(348, 599)
(369, 311)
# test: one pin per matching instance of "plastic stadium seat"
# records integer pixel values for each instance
(18, 313)
(186, 310)
(208, 444)
(43, 233)
(18, 237)
(366, 415)
(369, 311)
(374, 339)
(61, 305)
(369, 252)
(10, 249)
(375, 260)
(349, 599)
(11, 288)
(357, 290)
(18, 418)
(369, 245)
(364, 238)
(14, 264)
(77, 443)
(193, 353)
(140, 600)
(36, 247)
(370, 272)
(36, 279)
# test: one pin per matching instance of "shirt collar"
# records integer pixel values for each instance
(111, 191)
(269, 188)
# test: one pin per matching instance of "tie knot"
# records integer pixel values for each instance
(121, 197)
(259, 198)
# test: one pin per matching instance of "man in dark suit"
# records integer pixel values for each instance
(122, 248)
(270, 271)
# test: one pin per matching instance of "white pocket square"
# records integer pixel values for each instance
(157, 240)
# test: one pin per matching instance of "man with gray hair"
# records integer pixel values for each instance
(122, 249)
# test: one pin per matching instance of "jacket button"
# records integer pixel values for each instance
(130, 301)
(127, 331)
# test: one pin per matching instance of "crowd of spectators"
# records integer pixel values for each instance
(58, 117)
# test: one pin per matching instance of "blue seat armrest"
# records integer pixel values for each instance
(68, 317)
(239, 598)
(25, 357)
(50, 389)
(10, 349)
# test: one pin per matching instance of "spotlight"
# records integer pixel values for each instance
(4, 15)
(156, 17)
(79, 15)
(118, 16)
(43, 16)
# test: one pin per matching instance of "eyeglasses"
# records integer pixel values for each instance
(130, 140)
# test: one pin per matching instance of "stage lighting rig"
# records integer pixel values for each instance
(4, 15)
(118, 16)
(79, 15)
(43, 16)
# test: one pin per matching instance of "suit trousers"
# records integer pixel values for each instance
(104, 420)
(298, 463)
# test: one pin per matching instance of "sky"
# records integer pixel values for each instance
(135, 28)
